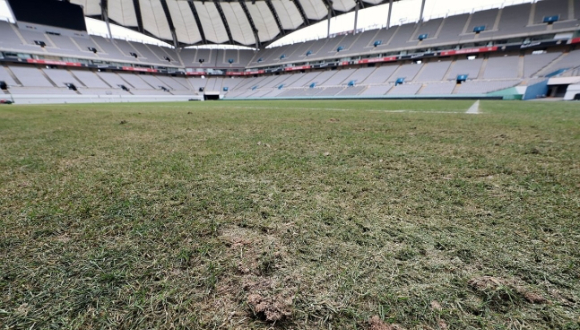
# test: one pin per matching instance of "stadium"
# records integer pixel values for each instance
(523, 51)
(289, 164)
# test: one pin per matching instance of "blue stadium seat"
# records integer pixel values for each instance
(551, 19)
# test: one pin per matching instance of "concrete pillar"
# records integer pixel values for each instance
(422, 10)
(356, 15)
(329, 16)
(390, 13)
(104, 12)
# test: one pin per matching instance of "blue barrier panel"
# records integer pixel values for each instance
(478, 29)
(556, 73)
(536, 90)
(551, 19)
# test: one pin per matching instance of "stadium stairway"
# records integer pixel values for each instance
(482, 68)
(12, 75)
(48, 78)
(521, 66)
(455, 89)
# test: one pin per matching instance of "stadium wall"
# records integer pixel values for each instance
(63, 99)
(386, 97)
(572, 91)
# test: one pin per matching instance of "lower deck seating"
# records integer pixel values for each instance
(61, 77)
(6, 77)
(89, 79)
(405, 89)
(351, 91)
(486, 74)
(439, 88)
(376, 90)
(40, 91)
(485, 86)
(30, 76)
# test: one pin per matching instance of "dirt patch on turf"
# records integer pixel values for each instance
(273, 308)
(269, 298)
(375, 323)
(504, 290)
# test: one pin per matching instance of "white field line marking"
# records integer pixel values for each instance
(474, 109)
(279, 108)
(336, 109)
(415, 111)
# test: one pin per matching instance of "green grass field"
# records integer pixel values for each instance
(290, 215)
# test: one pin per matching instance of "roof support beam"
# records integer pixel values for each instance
(422, 10)
(390, 14)
(356, 15)
(252, 24)
(105, 14)
(329, 17)
(328, 4)
(138, 15)
(170, 22)
(224, 20)
(275, 14)
(301, 11)
(197, 21)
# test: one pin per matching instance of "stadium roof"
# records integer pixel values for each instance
(240, 22)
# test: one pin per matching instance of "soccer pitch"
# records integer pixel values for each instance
(290, 214)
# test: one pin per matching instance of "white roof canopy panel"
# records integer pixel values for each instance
(205, 20)
(185, 26)
(90, 7)
(238, 22)
(343, 5)
(288, 14)
(210, 19)
(263, 20)
(122, 12)
(314, 9)
(154, 19)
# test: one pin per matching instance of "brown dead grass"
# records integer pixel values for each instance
(375, 323)
(272, 309)
(489, 283)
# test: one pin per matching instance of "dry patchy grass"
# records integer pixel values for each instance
(292, 215)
